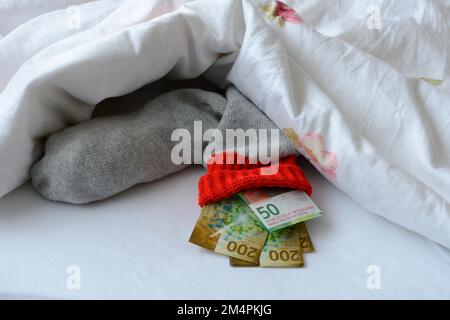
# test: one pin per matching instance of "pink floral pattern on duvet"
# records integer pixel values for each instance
(282, 13)
(313, 146)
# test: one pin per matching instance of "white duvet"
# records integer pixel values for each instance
(367, 100)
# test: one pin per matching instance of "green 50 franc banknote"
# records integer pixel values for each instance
(280, 208)
(283, 248)
(227, 227)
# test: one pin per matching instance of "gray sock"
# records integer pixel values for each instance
(240, 113)
(104, 156)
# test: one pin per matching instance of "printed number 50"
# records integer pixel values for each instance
(268, 210)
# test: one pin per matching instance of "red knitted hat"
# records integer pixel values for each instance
(223, 180)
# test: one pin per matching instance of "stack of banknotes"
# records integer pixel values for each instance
(262, 227)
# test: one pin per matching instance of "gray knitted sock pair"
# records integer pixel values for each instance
(101, 157)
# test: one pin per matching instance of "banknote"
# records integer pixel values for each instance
(234, 262)
(282, 249)
(305, 243)
(227, 227)
(278, 208)
(305, 240)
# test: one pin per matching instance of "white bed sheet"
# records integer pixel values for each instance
(136, 246)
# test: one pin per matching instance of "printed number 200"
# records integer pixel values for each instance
(242, 249)
(268, 210)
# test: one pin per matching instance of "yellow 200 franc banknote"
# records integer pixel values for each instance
(227, 228)
(234, 262)
(281, 243)
(305, 240)
(282, 249)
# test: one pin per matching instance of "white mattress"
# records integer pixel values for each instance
(136, 246)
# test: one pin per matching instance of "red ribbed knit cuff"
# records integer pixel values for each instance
(223, 180)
